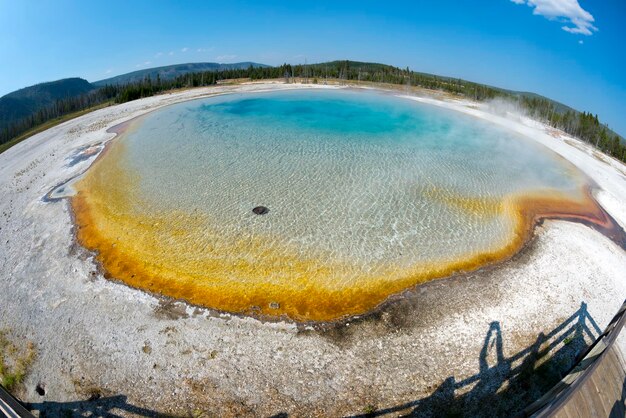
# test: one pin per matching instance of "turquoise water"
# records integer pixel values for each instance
(362, 177)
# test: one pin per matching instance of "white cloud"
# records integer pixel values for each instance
(225, 57)
(158, 54)
(205, 49)
(109, 71)
(171, 53)
(577, 20)
(185, 49)
(147, 63)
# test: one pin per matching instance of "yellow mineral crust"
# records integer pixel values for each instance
(175, 253)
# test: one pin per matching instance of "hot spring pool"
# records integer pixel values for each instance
(368, 195)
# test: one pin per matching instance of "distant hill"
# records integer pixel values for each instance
(169, 72)
(24, 102)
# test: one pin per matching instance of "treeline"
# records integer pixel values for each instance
(380, 73)
(582, 125)
(314, 73)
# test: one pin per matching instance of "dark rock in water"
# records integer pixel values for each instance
(260, 210)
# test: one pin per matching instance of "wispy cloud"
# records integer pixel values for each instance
(144, 64)
(158, 54)
(211, 48)
(185, 49)
(225, 57)
(171, 53)
(109, 71)
(577, 20)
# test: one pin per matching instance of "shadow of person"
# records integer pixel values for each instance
(492, 375)
(494, 370)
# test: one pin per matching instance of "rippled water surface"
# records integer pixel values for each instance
(365, 191)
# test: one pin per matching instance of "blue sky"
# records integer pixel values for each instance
(570, 50)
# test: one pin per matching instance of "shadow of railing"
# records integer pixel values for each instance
(110, 407)
(504, 386)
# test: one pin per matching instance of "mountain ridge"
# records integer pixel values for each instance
(168, 72)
